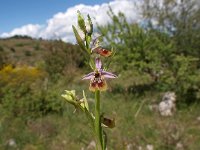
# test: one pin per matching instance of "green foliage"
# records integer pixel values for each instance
(37, 46)
(148, 56)
(28, 92)
(2, 61)
(26, 95)
(62, 59)
(19, 44)
(1, 49)
(180, 19)
(12, 50)
(27, 53)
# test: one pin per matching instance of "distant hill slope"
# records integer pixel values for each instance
(23, 50)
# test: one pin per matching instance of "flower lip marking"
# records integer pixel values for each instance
(97, 78)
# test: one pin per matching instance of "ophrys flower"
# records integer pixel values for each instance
(97, 48)
(97, 77)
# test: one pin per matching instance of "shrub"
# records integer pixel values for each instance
(1, 49)
(19, 44)
(24, 92)
(27, 53)
(152, 57)
(62, 59)
(37, 47)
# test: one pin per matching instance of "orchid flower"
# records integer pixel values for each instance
(102, 51)
(97, 77)
(98, 49)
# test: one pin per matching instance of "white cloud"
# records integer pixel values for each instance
(60, 25)
(29, 29)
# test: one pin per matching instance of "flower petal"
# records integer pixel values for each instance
(102, 86)
(88, 76)
(98, 63)
(96, 42)
(102, 51)
(108, 74)
(93, 87)
(98, 84)
(110, 123)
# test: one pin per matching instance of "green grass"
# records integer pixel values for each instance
(71, 131)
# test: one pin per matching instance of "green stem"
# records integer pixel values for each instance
(98, 128)
(86, 42)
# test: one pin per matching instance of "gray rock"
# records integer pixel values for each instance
(167, 106)
(11, 143)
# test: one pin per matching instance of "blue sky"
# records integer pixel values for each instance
(15, 13)
(50, 19)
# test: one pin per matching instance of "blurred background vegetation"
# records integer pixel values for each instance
(158, 55)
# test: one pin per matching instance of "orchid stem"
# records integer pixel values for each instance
(98, 128)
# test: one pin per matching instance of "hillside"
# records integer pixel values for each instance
(19, 50)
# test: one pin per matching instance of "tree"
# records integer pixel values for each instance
(157, 55)
(179, 18)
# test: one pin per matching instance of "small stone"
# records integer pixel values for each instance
(140, 148)
(179, 146)
(198, 118)
(149, 147)
(91, 146)
(12, 143)
(129, 147)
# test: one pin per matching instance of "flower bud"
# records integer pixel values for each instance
(81, 22)
(70, 97)
(89, 26)
(107, 122)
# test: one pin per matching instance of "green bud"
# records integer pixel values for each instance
(88, 39)
(70, 97)
(90, 30)
(78, 39)
(81, 22)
